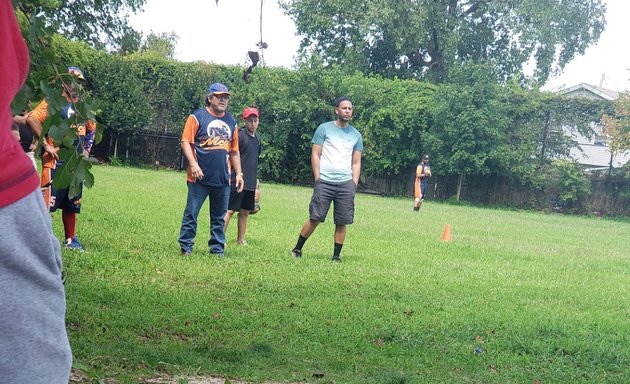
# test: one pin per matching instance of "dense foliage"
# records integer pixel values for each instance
(43, 22)
(427, 38)
(101, 24)
(617, 124)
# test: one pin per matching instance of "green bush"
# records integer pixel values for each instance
(570, 186)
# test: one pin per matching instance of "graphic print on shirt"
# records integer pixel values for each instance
(218, 135)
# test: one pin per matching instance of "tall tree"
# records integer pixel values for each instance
(617, 126)
(471, 124)
(425, 38)
(98, 23)
(162, 44)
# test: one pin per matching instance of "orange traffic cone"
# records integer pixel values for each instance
(446, 235)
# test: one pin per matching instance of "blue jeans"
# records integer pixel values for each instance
(423, 186)
(197, 194)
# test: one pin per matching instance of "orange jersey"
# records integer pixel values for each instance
(213, 138)
(41, 114)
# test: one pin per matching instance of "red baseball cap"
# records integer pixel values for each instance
(247, 112)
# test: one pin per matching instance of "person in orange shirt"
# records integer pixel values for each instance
(210, 144)
(59, 198)
(423, 173)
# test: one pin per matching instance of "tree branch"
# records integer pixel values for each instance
(473, 8)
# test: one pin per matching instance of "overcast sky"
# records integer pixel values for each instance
(224, 33)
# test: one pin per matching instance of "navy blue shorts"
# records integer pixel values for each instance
(59, 198)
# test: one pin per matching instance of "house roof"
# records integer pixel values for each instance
(587, 153)
(587, 90)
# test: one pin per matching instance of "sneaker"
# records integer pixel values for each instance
(244, 242)
(336, 259)
(255, 210)
(217, 254)
(74, 244)
(296, 252)
(186, 253)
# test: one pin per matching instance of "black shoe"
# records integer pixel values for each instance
(185, 253)
(336, 259)
(217, 254)
(296, 252)
(416, 209)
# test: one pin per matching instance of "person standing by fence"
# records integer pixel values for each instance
(423, 173)
(210, 144)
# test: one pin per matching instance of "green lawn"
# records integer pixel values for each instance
(541, 297)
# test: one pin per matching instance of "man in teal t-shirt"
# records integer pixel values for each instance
(336, 162)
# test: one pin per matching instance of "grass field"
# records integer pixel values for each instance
(514, 297)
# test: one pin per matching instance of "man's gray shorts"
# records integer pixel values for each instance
(341, 194)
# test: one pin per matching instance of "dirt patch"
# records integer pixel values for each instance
(79, 377)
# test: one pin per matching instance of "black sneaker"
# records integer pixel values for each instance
(336, 259)
(296, 252)
(255, 210)
(217, 254)
(185, 253)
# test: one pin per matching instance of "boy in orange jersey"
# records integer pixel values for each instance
(54, 198)
(423, 173)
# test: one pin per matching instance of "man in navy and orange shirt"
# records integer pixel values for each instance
(210, 144)
(59, 198)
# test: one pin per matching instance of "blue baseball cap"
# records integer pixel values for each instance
(76, 71)
(218, 89)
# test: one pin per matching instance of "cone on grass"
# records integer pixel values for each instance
(446, 235)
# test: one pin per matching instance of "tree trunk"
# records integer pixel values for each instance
(460, 182)
(116, 148)
(610, 163)
(544, 139)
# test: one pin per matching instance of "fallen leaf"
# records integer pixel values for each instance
(216, 315)
(380, 342)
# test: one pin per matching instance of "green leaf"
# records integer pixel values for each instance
(58, 131)
(65, 173)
